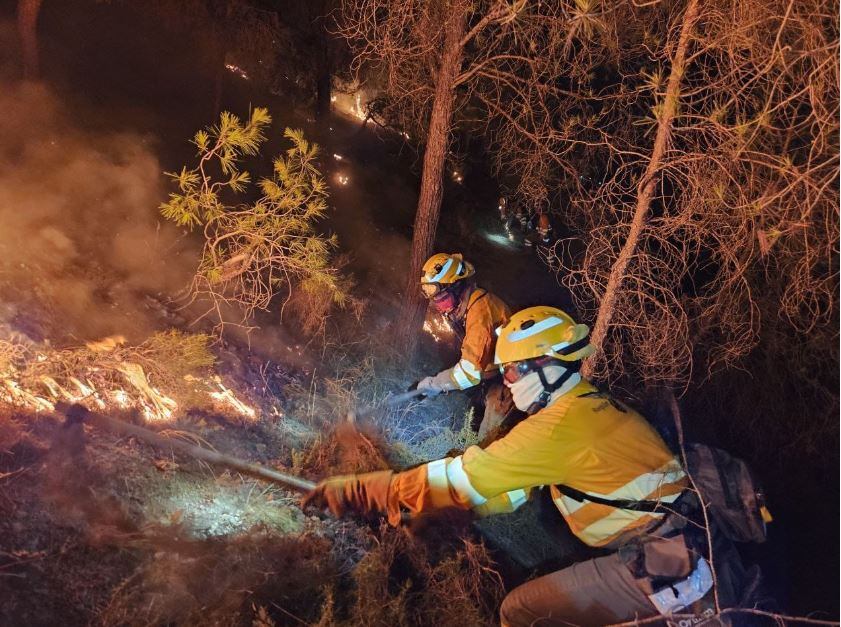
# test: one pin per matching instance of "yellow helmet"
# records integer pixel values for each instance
(542, 331)
(442, 270)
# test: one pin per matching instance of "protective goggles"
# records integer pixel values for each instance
(516, 370)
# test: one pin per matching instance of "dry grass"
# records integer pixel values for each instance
(225, 583)
(345, 449)
(401, 582)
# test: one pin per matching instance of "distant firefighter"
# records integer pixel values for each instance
(506, 216)
(473, 313)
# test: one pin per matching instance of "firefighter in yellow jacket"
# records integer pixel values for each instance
(591, 451)
(447, 280)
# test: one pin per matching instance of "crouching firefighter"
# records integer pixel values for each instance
(474, 314)
(599, 460)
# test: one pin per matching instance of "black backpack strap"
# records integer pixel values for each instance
(636, 506)
(477, 299)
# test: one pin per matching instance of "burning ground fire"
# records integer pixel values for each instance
(438, 327)
(235, 69)
(100, 376)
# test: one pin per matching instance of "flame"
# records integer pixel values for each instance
(138, 392)
(236, 70)
(226, 396)
(121, 398)
(358, 111)
(15, 395)
(438, 327)
(156, 406)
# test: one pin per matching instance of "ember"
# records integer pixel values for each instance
(235, 69)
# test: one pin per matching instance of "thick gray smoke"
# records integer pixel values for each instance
(83, 252)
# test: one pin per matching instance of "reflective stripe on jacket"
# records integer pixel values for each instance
(484, 313)
(584, 440)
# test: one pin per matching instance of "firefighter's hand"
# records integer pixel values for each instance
(441, 382)
(364, 494)
(428, 387)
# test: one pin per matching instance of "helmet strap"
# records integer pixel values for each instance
(572, 348)
(458, 290)
(550, 388)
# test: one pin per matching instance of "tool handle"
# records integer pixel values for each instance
(80, 413)
(397, 399)
(391, 401)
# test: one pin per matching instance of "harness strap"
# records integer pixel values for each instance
(678, 507)
(457, 321)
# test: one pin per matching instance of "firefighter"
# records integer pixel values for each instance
(544, 228)
(506, 216)
(598, 459)
(474, 314)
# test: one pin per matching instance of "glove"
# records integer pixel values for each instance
(366, 493)
(441, 382)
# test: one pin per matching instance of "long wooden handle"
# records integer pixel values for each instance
(78, 412)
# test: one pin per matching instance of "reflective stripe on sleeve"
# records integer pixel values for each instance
(460, 482)
(517, 498)
(466, 375)
(471, 370)
(439, 486)
(460, 377)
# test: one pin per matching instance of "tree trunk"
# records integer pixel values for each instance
(218, 88)
(431, 189)
(218, 55)
(27, 22)
(323, 82)
(645, 191)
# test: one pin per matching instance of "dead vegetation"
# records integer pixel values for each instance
(225, 582)
(402, 582)
(159, 539)
(138, 571)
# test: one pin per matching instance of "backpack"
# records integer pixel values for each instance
(731, 492)
(734, 498)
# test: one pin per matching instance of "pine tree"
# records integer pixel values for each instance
(254, 251)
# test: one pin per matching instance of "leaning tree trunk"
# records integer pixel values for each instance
(645, 191)
(218, 55)
(431, 190)
(323, 81)
(27, 23)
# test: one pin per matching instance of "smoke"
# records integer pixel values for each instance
(83, 253)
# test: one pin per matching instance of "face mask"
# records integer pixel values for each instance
(528, 389)
(444, 302)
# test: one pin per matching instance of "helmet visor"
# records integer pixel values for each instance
(430, 289)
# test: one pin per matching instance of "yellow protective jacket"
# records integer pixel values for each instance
(483, 313)
(584, 440)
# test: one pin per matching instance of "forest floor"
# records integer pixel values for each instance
(103, 529)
